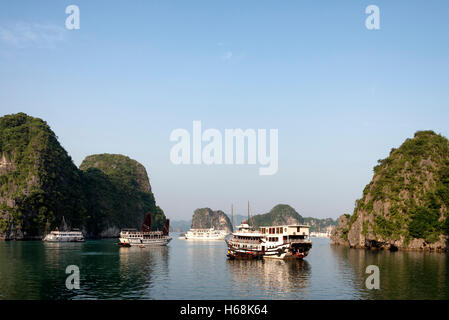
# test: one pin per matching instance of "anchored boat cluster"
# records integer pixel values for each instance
(275, 242)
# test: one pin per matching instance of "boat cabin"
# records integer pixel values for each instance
(292, 230)
(290, 233)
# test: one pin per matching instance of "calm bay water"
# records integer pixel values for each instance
(200, 270)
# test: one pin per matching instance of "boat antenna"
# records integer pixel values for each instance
(248, 213)
(232, 216)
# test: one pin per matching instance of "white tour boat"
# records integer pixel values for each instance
(277, 242)
(320, 234)
(64, 236)
(145, 237)
(206, 234)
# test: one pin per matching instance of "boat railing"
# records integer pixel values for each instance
(247, 247)
(245, 241)
(298, 240)
(141, 232)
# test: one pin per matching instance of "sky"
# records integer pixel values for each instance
(340, 95)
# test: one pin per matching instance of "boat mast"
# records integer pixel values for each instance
(232, 216)
(248, 213)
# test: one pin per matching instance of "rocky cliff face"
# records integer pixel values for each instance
(206, 218)
(405, 206)
(38, 181)
(340, 234)
(39, 184)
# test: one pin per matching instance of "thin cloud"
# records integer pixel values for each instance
(230, 56)
(23, 35)
(227, 56)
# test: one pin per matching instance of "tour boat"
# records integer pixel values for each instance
(326, 234)
(64, 236)
(206, 234)
(276, 242)
(145, 237)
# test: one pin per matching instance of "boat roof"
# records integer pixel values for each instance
(71, 231)
(249, 234)
(287, 226)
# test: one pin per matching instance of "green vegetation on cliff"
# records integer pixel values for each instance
(283, 214)
(408, 197)
(38, 181)
(39, 184)
(118, 192)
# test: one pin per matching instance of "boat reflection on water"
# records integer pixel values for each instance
(141, 256)
(54, 249)
(276, 279)
(61, 254)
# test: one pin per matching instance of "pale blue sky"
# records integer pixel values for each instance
(341, 96)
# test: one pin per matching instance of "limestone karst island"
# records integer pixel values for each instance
(405, 205)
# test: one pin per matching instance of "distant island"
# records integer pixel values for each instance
(281, 214)
(40, 184)
(180, 225)
(405, 206)
(185, 225)
(204, 218)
